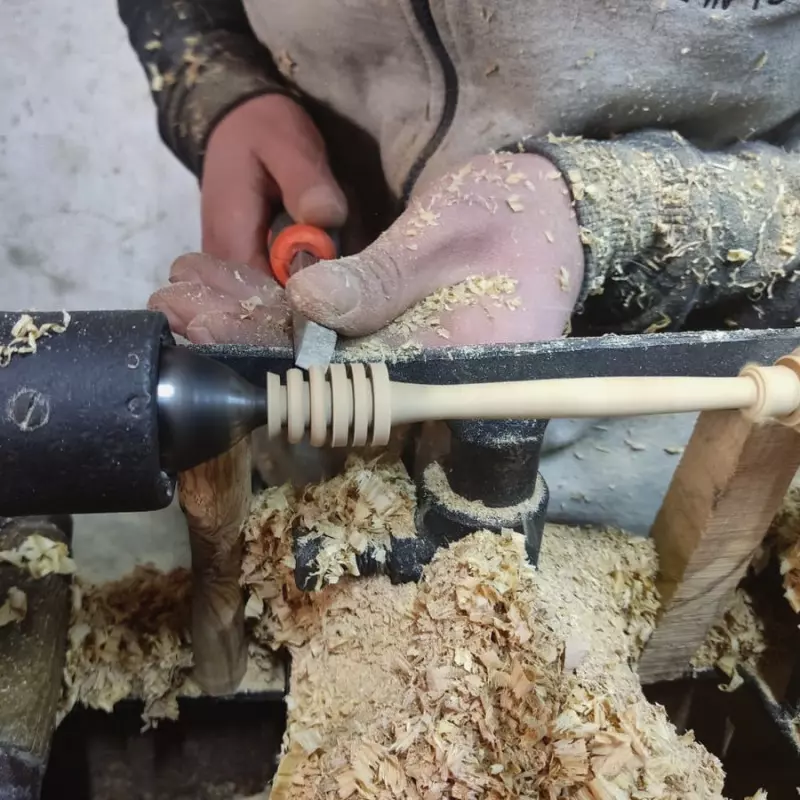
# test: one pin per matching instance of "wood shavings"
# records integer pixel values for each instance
(674, 450)
(356, 512)
(563, 279)
(456, 687)
(153, 44)
(14, 608)
(637, 447)
(40, 556)
(130, 639)
(26, 334)
(515, 204)
(738, 639)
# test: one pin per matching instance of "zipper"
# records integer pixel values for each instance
(422, 11)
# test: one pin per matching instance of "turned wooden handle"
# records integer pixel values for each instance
(215, 497)
(357, 404)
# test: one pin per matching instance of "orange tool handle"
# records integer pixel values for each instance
(293, 239)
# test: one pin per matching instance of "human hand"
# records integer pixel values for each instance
(265, 152)
(503, 223)
(505, 220)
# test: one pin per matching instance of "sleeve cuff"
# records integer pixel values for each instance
(206, 89)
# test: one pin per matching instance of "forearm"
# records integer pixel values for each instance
(201, 60)
(675, 237)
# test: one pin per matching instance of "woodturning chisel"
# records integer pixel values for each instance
(293, 247)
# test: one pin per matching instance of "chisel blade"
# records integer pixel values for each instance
(314, 344)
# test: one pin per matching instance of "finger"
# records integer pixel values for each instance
(235, 207)
(263, 328)
(294, 155)
(239, 281)
(182, 302)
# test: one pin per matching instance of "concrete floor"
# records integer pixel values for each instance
(93, 209)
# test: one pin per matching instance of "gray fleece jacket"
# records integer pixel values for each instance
(693, 225)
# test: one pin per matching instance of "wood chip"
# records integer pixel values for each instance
(26, 334)
(14, 608)
(251, 304)
(40, 556)
(515, 204)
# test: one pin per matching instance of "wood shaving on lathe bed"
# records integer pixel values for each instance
(25, 336)
(738, 639)
(489, 679)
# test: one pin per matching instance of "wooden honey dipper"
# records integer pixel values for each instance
(356, 404)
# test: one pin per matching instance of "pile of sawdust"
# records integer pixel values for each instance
(25, 336)
(355, 512)
(129, 639)
(738, 639)
(488, 679)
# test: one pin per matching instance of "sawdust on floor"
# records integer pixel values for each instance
(488, 679)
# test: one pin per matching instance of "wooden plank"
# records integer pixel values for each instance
(215, 498)
(32, 654)
(723, 496)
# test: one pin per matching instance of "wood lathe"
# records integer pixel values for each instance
(101, 415)
(102, 411)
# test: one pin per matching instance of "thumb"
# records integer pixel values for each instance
(361, 294)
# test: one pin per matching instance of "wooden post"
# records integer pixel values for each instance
(215, 498)
(32, 655)
(728, 486)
